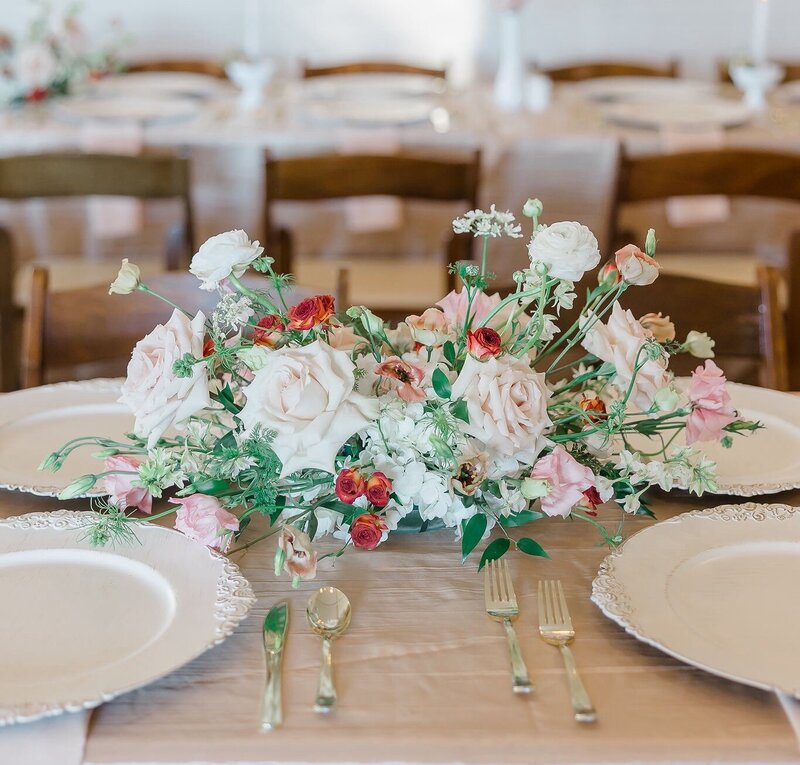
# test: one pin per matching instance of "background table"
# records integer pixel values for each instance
(423, 674)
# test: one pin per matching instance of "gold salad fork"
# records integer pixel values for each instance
(555, 627)
(501, 605)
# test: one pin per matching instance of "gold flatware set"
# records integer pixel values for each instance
(328, 611)
(555, 628)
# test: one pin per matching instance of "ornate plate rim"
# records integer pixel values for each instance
(234, 600)
(100, 384)
(609, 595)
(757, 489)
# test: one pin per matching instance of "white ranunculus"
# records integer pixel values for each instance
(223, 255)
(152, 391)
(507, 405)
(34, 66)
(306, 396)
(568, 249)
(620, 342)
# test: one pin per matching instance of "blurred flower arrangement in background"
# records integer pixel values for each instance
(54, 56)
(481, 412)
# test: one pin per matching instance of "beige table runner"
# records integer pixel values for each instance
(423, 674)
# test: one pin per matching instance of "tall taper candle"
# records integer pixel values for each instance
(252, 29)
(758, 41)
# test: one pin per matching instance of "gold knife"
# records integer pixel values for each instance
(275, 626)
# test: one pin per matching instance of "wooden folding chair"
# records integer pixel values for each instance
(85, 332)
(338, 176)
(73, 174)
(745, 322)
(730, 172)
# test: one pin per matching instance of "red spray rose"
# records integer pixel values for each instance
(350, 485)
(484, 342)
(310, 312)
(595, 408)
(366, 531)
(379, 487)
(267, 329)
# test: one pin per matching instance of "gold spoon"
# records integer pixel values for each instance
(328, 612)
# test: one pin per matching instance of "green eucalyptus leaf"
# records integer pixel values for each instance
(472, 533)
(531, 547)
(449, 352)
(520, 519)
(459, 410)
(440, 383)
(311, 528)
(494, 550)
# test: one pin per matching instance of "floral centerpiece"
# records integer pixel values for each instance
(478, 413)
(52, 57)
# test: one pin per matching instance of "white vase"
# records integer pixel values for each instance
(509, 83)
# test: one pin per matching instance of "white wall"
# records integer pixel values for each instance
(696, 31)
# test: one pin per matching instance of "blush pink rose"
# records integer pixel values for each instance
(566, 478)
(711, 404)
(408, 376)
(205, 520)
(636, 267)
(432, 328)
(119, 485)
(455, 305)
(620, 342)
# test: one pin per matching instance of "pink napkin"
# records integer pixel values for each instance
(111, 217)
(378, 213)
(692, 211)
(53, 741)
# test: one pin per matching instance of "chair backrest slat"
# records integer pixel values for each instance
(73, 174)
(732, 172)
(372, 67)
(191, 66)
(592, 70)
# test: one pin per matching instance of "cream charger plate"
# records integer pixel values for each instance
(715, 588)
(764, 462)
(83, 624)
(38, 421)
(712, 112)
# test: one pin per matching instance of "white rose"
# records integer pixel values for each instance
(152, 391)
(306, 396)
(35, 66)
(568, 249)
(507, 405)
(223, 255)
(619, 342)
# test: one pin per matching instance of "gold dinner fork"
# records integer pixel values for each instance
(555, 627)
(501, 605)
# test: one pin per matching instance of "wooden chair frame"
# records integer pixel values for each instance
(8, 314)
(338, 176)
(593, 69)
(73, 174)
(731, 172)
(371, 67)
(191, 66)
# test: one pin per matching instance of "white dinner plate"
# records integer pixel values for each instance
(653, 89)
(160, 84)
(129, 108)
(38, 421)
(374, 111)
(715, 588)
(365, 86)
(83, 624)
(679, 114)
(764, 462)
